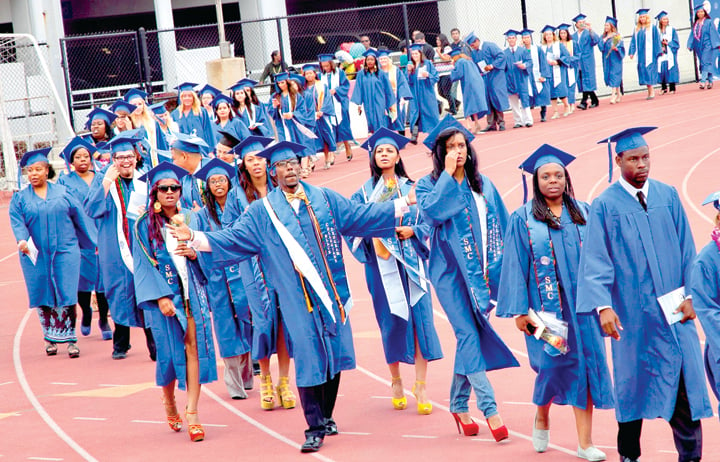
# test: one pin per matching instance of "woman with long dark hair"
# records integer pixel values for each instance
(338, 87)
(170, 288)
(539, 278)
(50, 228)
(395, 271)
(225, 119)
(668, 62)
(291, 114)
(571, 63)
(467, 219)
(373, 94)
(613, 51)
(704, 40)
(422, 77)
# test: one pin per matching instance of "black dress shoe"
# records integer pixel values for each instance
(502, 128)
(119, 355)
(582, 106)
(330, 427)
(312, 444)
(517, 125)
(489, 128)
(594, 105)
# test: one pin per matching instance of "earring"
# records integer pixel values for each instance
(157, 207)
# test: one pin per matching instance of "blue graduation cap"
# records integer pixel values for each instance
(642, 11)
(416, 47)
(72, 147)
(32, 157)
(611, 20)
(186, 86)
(159, 108)
(548, 28)
(163, 155)
(279, 77)
(209, 89)
(311, 67)
(122, 105)
(283, 150)
(325, 57)
(526, 31)
(446, 123)
(244, 83)
(215, 167)
(661, 15)
(545, 154)
(625, 140)
(299, 79)
(189, 143)
(384, 136)
(580, 17)
(563, 26)
(163, 171)
(371, 52)
(220, 98)
(229, 135)
(699, 5)
(102, 114)
(136, 133)
(121, 142)
(471, 38)
(713, 199)
(511, 33)
(134, 93)
(455, 51)
(251, 144)
(383, 52)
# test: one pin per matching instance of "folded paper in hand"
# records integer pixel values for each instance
(670, 302)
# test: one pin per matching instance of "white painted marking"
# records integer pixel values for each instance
(519, 403)
(22, 380)
(44, 458)
(381, 397)
(356, 433)
(148, 421)
(486, 440)
(98, 419)
(685, 181)
(260, 426)
(599, 446)
(214, 425)
(7, 256)
(110, 385)
(427, 437)
(5, 383)
(63, 383)
(665, 451)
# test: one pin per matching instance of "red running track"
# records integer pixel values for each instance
(93, 408)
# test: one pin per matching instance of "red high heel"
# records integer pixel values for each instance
(470, 429)
(174, 421)
(500, 433)
(196, 431)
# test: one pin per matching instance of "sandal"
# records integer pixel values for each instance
(423, 408)
(50, 348)
(196, 431)
(174, 421)
(286, 396)
(399, 403)
(267, 393)
(73, 350)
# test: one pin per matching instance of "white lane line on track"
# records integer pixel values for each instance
(22, 380)
(94, 419)
(259, 425)
(63, 383)
(445, 408)
(685, 181)
(519, 403)
(356, 433)
(427, 437)
(45, 458)
(7, 256)
(5, 383)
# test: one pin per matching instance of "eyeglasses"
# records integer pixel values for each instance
(124, 158)
(169, 187)
(219, 181)
(287, 163)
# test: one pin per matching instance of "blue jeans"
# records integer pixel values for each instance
(460, 393)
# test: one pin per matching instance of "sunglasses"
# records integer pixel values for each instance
(169, 187)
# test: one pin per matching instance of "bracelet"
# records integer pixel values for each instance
(192, 235)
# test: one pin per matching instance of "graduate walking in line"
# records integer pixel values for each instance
(374, 95)
(191, 117)
(540, 75)
(472, 85)
(646, 44)
(704, 41)
(339, 87)
(422, 77)
(250, 109)
(401, 90)
(518, 72)
(668, 62)
(586, 40)
(561, 74)
(613, 51)
(491, 61)
(635, 263)
(321, 103)
(571, 65)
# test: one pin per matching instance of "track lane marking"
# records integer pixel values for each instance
(685, 181)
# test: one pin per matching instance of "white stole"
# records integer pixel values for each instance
(123, 244)
(570, 69)
(669, 56)
(332, 80)
(535, 56)
(482, 213)
(554, 55)
(171, 244)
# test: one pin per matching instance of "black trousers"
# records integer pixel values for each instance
(496, 118)
(84, 302)
(121, 340)
(318, 403)
(687, 433)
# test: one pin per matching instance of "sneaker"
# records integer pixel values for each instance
(119, 354)
(591, 453)
(85, 330)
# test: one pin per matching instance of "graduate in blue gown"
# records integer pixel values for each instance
(490, 60)
(646, 44)
(110, 203)
(669, 70)
(224, 119)
(613, 51)
(301, 256)
(188, 153)
(321, 104)
(170, 287)
(165, 127)
(704, 41)
(339, 87)
(400, 87)
(638, 246)
(269, 336)
(250, 109)
(78, 158)
(540, 75)
(396, 272)
(705, 292)
(472, 85)
(373, 94)
(539, 273)
(207, 94)
(586, 40)
(191, 117)
(467, 219)
(50, 228)
(422, 77)
(99, 122)
(570, 63)
(518, 72)
(561, 70)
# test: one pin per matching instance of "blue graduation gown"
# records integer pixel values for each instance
(59, 228)
(629, 258)
(704, 41)
(671, 74)
(540, 96)
(319, 99)
(192, 124)
(612, 61)
(261, 118)
(398, 335)
(565, 62)
(373, 92)
(302, 114)
(705, 290)
(226, 293)
(570, 62)
(321, 348)
(424, 104)
(442, 202)
(473, 88)
(495, 80)
(342, 90)
(235, 126)
(116, 277)
(192, 189)
(585, 52)
(89, 274)
(565, 379)
(647, 71)
(161, 138)
(401, 90)
(155, 280)
(518, 80)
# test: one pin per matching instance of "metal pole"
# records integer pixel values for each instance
(68, 90)
(408, 42)
(145, 58)
(614, 10)
(281, 48)
(224, 45)
(523, 8)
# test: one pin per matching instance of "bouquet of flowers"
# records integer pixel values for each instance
(617, 38)
(391, 187)
(552, 331)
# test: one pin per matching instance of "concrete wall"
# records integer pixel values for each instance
(83, 9)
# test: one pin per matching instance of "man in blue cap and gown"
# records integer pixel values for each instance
(187, 152)
(492, 63)
(586, 40)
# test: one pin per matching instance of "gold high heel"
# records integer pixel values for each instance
(399, 403)
(287, 397)
(422, 408)
(267, 392)
(174, 421)
(196, 431)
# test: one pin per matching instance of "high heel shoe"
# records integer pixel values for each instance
(501, 433)
(422, 408)
(196, 431)
(286, 396)
(174, 421)
(399, 403)
(267, 392)
(470, 429)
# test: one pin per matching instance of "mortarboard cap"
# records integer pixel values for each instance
(511, 33)
(186, 86)
(215, 167)
(416, 47)
(102, 114)
(384, 136)
(164, 170)
(192, 144)
(311, 67)
(299, 79)
(159, 108)
(642, 11)
(228, 138)
(699, 5)
(446, 123)
(580, 17)
(611, 20)
(279, 77)
(32, 157)
(134, 93)
(251, 144)
(661, 15)
(283, 150)
(471, 38)
(325, 57)
(220, 98)
(526, 31)
(243, 83)
(208, 89)
(163, 155)
(548, 28)
(713, 199)
(545, 154)
(76, 143)
(625, 140)
(371, 52)
(121, 142)
(122, 105)
(563, 26)
(384, 52)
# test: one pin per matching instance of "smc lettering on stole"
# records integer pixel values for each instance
(169, 275)
(549, 289)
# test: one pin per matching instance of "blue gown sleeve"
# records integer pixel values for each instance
(456, 72)
(361, 220)
(497, 57)
(362, 253)
(597, 272)
(434, 77)
(706, 299)
(228, 246)
(433, 199)
(208, 134)
(232, 208)
(149, 283)
(687, 244)
(84, 229)
(357, 95)
(17, 218)
(674, 44)
(327, 107)
(633, 44)
(403, 88)
(492, 194)
(342, 90)
(594, 39)
(304, 112)
(95, 203)
(515, 274)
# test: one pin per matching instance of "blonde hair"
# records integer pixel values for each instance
(640, 25)
(544, 42)
(196, 104)
(145, 119)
